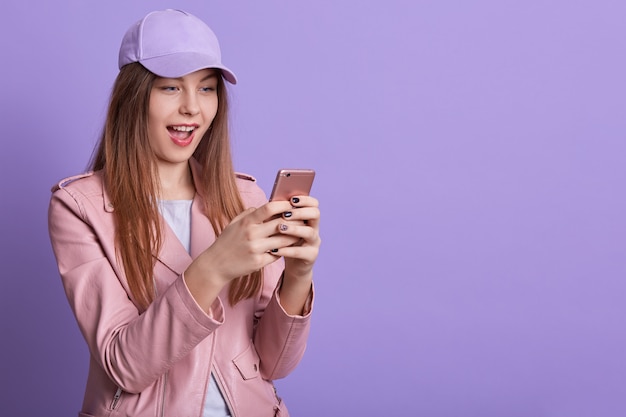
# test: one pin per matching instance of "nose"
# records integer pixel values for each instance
(189, 105)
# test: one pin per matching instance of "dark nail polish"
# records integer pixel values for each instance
(287, 214)
(295, 200)
(274, 250)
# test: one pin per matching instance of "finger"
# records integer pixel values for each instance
(306, 215)
(307, 254)
(269, 228)
(270, 257)
(308, 234)
(304, 201)
(271, 210)
(302, 213)
(277, 242)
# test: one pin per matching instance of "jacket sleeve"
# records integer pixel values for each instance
(280, 339)
(133, 349)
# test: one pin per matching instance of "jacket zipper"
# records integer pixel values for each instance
(116, 398)
(220, 387)
(218, 376)
(162, 414)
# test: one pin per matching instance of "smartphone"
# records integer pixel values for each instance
(290, 182)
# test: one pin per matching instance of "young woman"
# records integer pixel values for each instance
(192, 291)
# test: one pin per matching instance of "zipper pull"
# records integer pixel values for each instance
(116, 398)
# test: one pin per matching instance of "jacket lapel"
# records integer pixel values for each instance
(172, 253)
(202, 234)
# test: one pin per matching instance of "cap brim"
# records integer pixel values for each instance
(181, 64)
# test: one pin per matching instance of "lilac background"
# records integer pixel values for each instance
(470, 159)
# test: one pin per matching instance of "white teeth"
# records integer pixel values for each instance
(183, 128)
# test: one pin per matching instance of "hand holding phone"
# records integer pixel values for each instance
(292, 182)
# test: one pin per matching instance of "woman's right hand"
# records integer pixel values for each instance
(243, 247)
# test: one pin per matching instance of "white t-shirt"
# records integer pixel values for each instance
(177, 214)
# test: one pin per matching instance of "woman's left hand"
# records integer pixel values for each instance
(303, 222)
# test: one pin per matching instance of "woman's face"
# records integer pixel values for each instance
(181, 111)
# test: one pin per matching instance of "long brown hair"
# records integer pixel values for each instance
(132, 181)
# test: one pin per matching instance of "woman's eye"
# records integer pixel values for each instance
(207, 89)
(166, 88)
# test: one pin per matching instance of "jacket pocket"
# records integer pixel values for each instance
(247, 363)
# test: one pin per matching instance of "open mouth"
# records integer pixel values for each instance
(182, 135)
(181, 132)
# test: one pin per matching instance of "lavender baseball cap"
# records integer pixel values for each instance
(172, 43)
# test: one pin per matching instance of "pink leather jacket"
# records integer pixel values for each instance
(157, 363)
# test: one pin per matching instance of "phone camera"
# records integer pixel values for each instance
(289, 174)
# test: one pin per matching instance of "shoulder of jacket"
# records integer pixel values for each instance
(67, 181)
(251, 193)
(243, 176)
